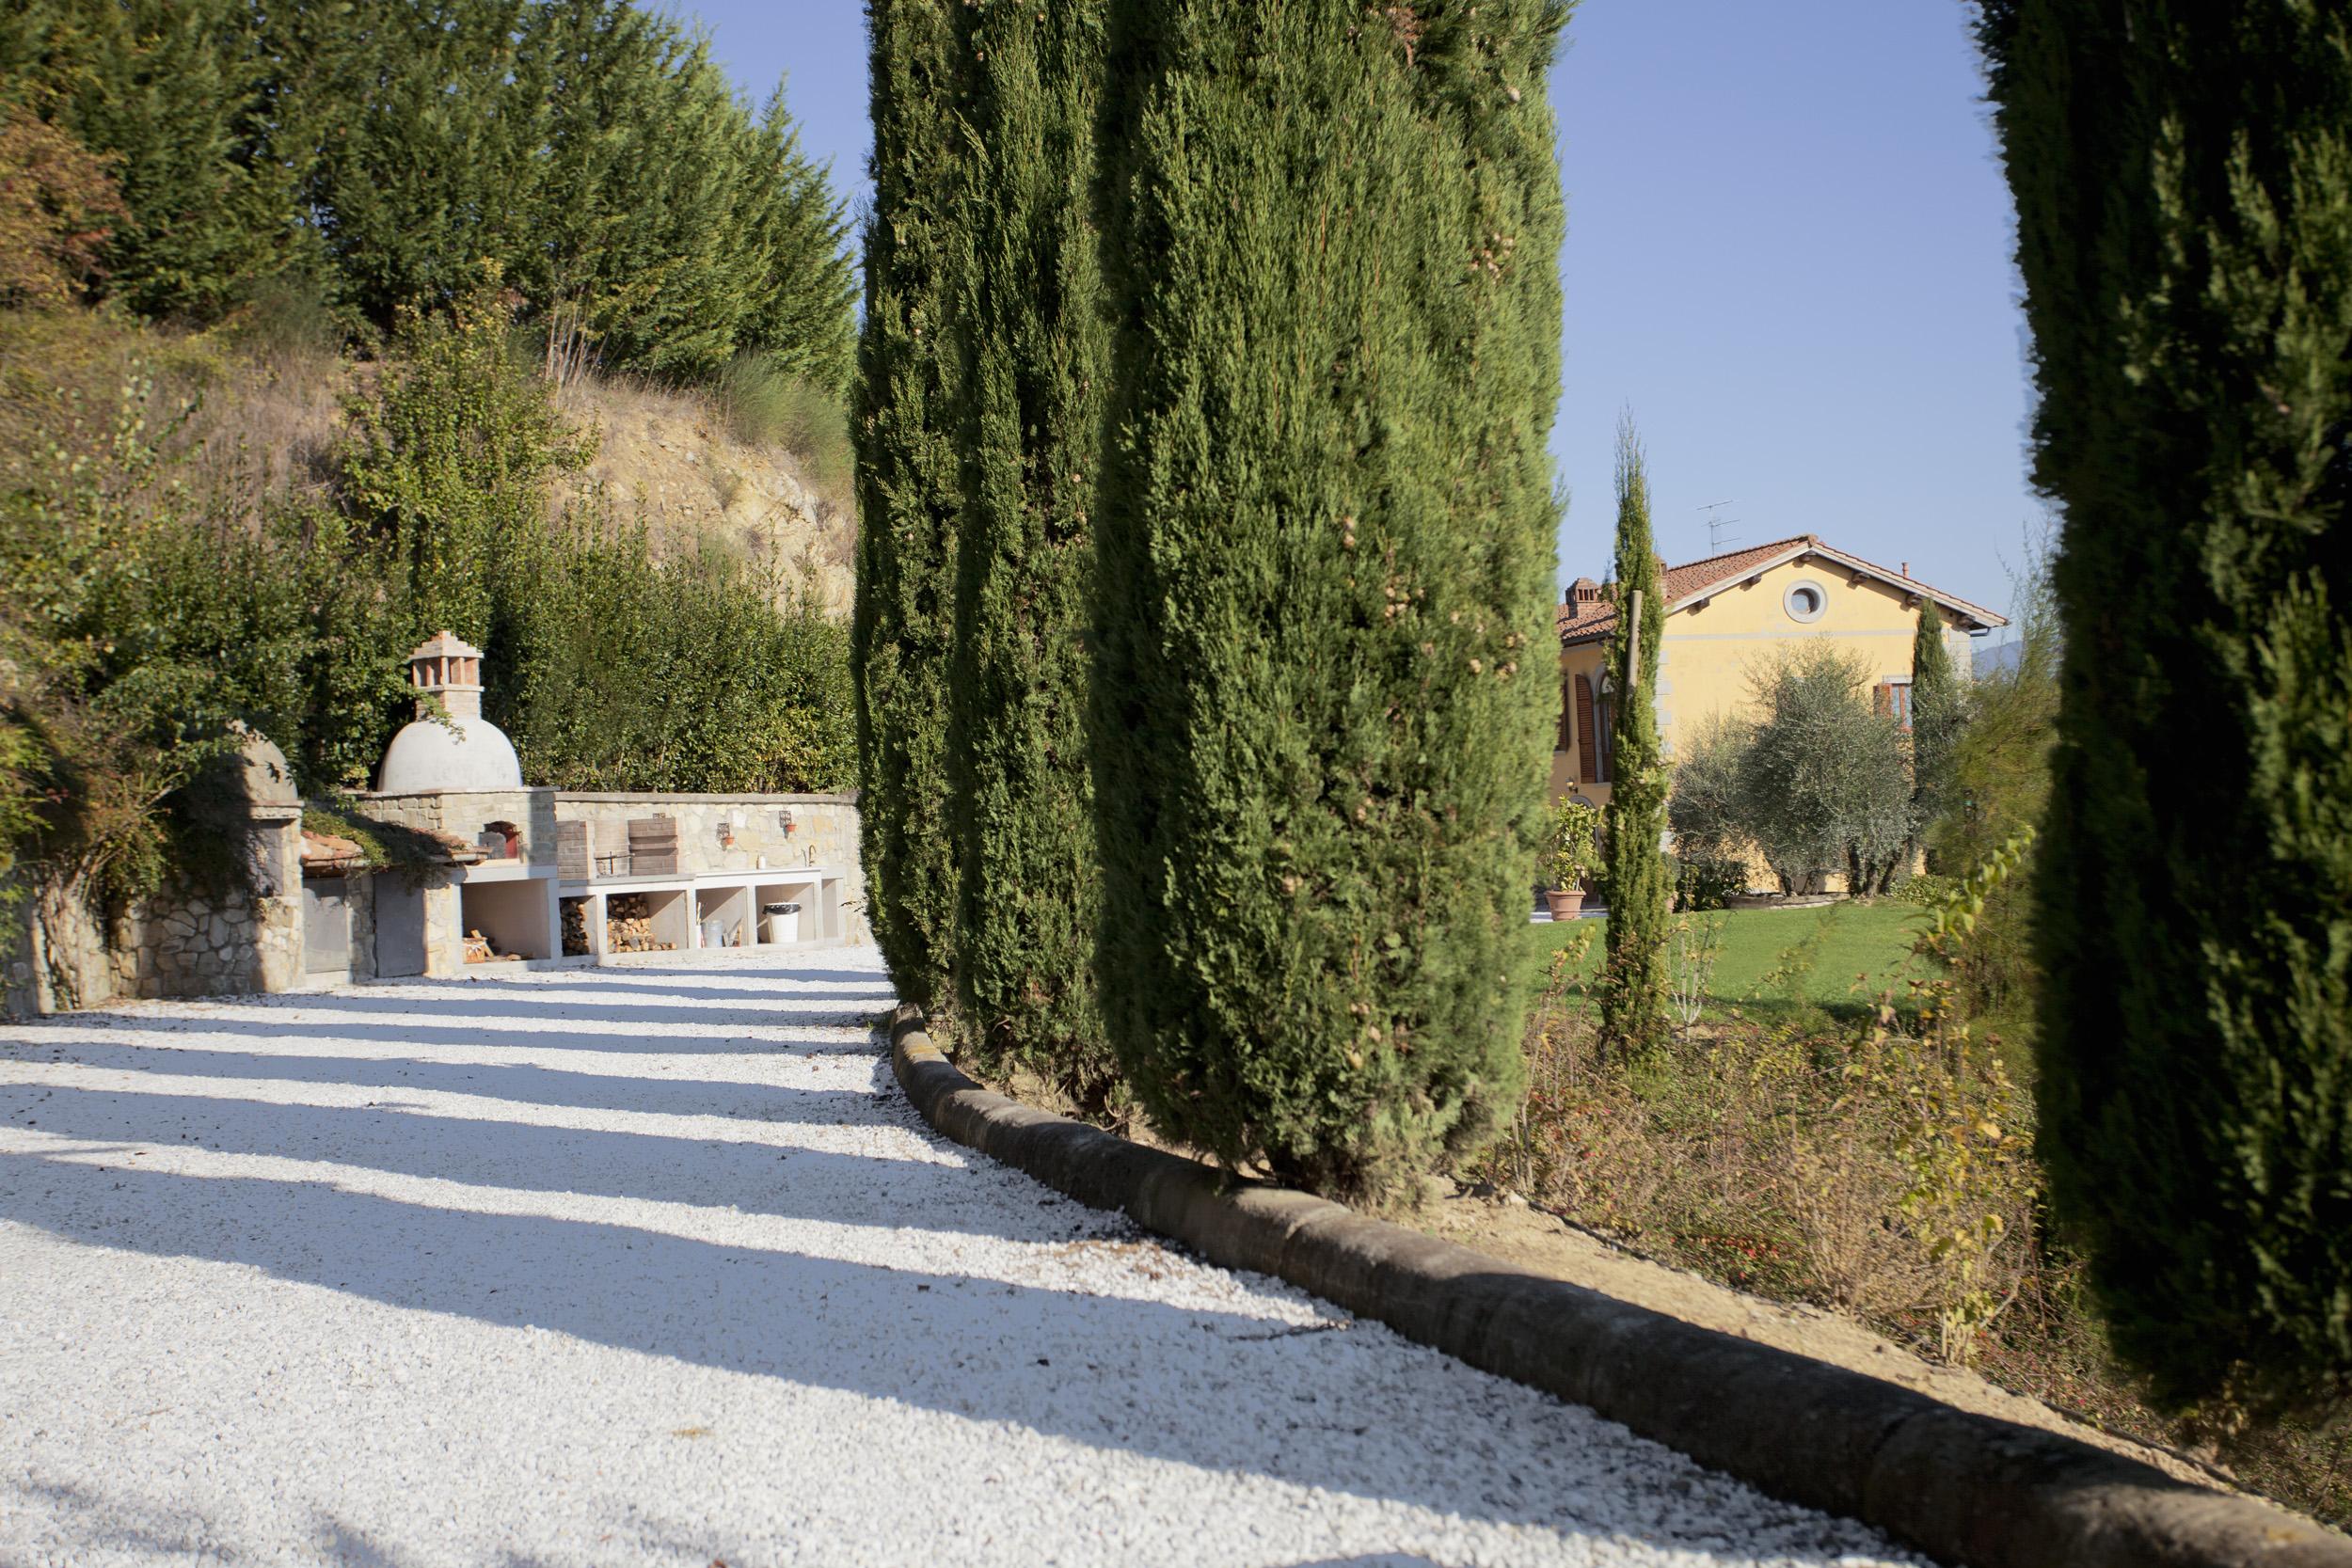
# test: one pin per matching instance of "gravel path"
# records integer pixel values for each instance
(654, 1265)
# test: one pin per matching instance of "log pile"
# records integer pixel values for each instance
(629, 926)
(574, 928)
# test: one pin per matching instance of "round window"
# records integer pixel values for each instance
(1804, 601)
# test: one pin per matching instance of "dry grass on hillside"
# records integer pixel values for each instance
(260, 404)
(676, 457)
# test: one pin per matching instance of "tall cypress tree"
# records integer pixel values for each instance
(1024, 797)
(1634, 987)
(175, 93)
(1938, 713)
(908, 437)
(2184, 186)
(1324, 691)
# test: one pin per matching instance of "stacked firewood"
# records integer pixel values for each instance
(574, 928)
(629, 926)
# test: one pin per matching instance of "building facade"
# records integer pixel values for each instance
(1727, 617)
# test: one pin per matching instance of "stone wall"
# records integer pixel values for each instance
(183, 941)
(824, 833)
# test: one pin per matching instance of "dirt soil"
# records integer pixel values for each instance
(1511, 1230)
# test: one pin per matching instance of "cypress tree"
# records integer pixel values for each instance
(2184, 186)
(1325, 686)
(1024, 797)
(1633, 988)
(173, 90)
(1938, 713)
(909, 486)
(800, 315)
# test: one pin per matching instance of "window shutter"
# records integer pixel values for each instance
(1567, 730)
(1883, 699)
(1587, 759)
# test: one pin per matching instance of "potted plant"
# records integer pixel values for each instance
(1573, 855)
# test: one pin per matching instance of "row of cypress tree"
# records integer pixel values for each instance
(2183, 184)
(1202, 641)
(378, 156)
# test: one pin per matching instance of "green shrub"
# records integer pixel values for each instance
(1702, 884)
(1928, 890)
(1327, 668)
(1572, 854)
(2195, 885)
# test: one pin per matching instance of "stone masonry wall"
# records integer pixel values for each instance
(824, 833)
(180, 942)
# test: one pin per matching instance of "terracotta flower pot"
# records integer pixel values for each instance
(1567, 904)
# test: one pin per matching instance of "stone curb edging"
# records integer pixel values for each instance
(1963, 1488)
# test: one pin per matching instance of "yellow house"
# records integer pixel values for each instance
(1725, 613)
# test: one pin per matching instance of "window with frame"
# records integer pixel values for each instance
(1892, 699)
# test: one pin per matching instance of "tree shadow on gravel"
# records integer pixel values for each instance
(756, 1176)
(524, 1083)
(1349, 1410)
(716, 1033)
(1319, 1410)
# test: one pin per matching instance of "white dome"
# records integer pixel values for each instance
(466, 753)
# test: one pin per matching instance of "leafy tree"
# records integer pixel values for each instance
(1822, 782)
(1323, 696)
(804, 290)
(588, 153)
(59, 203)
(910, 491)
(1634, 987)
(2189, 318)
(1704, 809)
(451, 462)
(1023, 810)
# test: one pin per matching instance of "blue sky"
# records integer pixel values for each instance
(1787, 254)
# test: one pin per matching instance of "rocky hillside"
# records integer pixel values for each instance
(681, 459)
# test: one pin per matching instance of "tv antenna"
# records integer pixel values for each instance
(1716, 523)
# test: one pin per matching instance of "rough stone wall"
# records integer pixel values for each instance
(183, 941)
(824, 833)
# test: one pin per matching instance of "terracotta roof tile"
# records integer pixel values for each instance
(1681, 582)
(1697, 577)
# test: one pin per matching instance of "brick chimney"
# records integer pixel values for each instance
(446, 667)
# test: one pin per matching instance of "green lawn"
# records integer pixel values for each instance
(1857, 951)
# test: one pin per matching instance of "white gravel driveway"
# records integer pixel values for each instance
(654, 1265)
